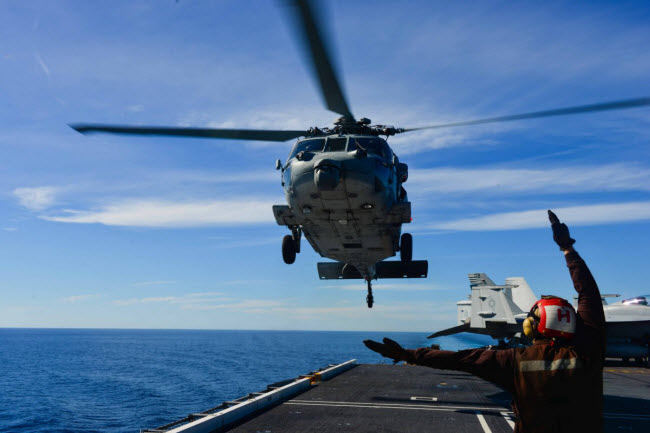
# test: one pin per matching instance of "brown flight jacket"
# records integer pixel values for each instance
(556, 387)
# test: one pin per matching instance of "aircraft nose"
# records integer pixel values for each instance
(327, 175)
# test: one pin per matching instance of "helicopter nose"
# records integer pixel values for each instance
(326, 178)
(327, 175)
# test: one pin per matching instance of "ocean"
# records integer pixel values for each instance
(119, 381)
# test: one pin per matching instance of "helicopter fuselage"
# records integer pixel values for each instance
(345, 193)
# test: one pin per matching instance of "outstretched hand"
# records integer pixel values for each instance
(389, 349)
(561, 234)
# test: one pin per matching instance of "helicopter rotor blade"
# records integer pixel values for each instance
(235, 134)
(308, 26)
(604, 106)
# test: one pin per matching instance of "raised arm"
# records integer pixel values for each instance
(591, 330)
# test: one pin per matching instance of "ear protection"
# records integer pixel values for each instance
(530, 324)
(551, 317)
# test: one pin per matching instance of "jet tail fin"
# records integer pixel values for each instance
(480, 279)
(522, 294)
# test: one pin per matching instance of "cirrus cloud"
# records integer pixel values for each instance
(608, 213)
(172, 214)
(36, 198)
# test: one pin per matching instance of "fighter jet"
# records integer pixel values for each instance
(499, 310)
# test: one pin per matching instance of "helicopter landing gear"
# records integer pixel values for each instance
(291, 245)
(288, 250)
(406, 248)
(370, 299)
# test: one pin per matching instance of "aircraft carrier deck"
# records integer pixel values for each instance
(401, 398)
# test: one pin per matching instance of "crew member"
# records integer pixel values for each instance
(557, 383)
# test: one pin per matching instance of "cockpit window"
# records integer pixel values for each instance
(336, 144)
(311, 145)
(374, 145)
(639, 300)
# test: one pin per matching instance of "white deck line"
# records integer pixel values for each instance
(484, 424)
(508, 418)
(390, 405)
(424, 398)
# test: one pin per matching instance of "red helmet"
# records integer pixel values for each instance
(552, 317)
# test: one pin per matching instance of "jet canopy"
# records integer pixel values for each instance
(637, 300)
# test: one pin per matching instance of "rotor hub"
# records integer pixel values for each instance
(348, 125)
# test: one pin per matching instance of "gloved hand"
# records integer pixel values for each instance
(390, 349)
(560, 232)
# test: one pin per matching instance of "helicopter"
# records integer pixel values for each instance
(343, 183)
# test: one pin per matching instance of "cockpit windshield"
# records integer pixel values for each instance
(637, 300)
(311, 145)
(336, 144)
(374, 146)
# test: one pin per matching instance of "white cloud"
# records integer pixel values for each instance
(298, 118)
(160, 213)
(42, 64)
(434, 139)
(573, 216)
(36, 198)
(187, 301)
(154, 283)
(360, 314)
(207, 301)
(79, 298)
(214, 177)
(613, 177)
(246, 305)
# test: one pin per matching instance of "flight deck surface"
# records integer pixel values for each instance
(404, 398)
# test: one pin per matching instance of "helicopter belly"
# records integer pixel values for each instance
(351, 221)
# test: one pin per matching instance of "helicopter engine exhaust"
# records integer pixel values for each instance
(327, 174)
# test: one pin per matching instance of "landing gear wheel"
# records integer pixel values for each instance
(288, 249)
(370, 299)
(406, 248)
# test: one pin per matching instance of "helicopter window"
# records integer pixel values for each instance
(336, 144)
(312, 145)
(374, 145)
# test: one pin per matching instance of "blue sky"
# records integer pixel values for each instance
(110, 231)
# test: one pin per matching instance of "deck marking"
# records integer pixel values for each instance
(508, 418)
(389, 405)
(424, 398)
(484, 424)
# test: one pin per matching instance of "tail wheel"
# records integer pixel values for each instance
(288, 249)
(406, 248)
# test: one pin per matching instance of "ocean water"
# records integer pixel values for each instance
(114, 381)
